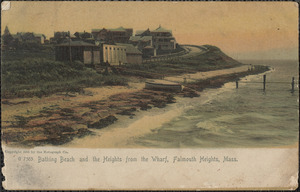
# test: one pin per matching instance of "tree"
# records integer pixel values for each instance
(7, 37)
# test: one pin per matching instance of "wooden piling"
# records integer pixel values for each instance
(237, 84)
(293, 84)
(264, 82)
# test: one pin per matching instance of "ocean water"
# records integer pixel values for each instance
(230, 117)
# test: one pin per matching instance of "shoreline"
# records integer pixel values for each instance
(61, 124)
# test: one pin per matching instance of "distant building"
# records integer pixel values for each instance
(84, 36)
(114, 54)
(163, 39)
(141, 41)
(40, 38)
(59, 37)
(100, 34)
(143, 32)
(29, 37)
(81, 51)
(144, 44)
(23, 40)
(118, 35)
(159, 41)
(133, 55)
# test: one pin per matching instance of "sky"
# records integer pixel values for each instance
(243, 30)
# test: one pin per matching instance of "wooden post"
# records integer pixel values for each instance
(237, 84)
(92, 55)
(293, 84)
(264, 82)
(70, 46)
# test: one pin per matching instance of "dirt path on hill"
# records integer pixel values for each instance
(193, 51)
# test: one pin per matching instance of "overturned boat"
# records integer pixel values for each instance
(163, 85)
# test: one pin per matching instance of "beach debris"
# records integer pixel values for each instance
(6, 102)
(104, 122)
(144, 106)
(127, 111)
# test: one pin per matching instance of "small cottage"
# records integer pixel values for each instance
(78, 50)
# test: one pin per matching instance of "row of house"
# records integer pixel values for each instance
(13, 40)
(114, 46)
(91, 54)
(118, 35)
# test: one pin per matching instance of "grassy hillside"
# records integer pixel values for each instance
(35, 73)
(213, 59)
(37, 77)
(45, 52)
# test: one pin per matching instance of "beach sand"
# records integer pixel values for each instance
(63, 100)
(118, 134)
(207, 74)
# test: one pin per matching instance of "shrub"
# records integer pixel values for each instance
(38, 77)
(114, 80)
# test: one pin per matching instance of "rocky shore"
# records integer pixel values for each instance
(57, 125)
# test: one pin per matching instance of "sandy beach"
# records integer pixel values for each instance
(67, 116)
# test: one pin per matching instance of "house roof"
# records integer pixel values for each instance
(115, 29)
(118, 29)
(39, 35)
(148, 47)
(162, 30)
(146, 38)
(82, 33)
(97, 30)
(76, 44)
(140, 38)
(130, 48)
(139, 32)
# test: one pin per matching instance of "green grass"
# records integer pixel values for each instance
(27, 73)
(45, 52)
(212, 60)
(38, 77)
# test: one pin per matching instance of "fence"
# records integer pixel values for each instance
(264, 82)
(166, 57)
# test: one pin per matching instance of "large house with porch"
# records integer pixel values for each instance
(163, 39)
(117, 35)
(158, 41)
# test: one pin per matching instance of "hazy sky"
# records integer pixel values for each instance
(241, 29)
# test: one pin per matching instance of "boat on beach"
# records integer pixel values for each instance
(163, 85)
